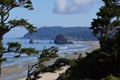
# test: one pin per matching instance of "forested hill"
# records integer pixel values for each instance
(74, 33)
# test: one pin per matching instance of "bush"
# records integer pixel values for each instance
(96, 65)
(48, 53)
(59, 63)
(111, 77)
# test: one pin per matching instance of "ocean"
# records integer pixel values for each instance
(38, 45)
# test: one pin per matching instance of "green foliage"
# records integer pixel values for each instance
(49, 53)
(6, 25)
(17, 3)
(58, 64)
(96, 65)
(100, 63)
(41, 66)
(13, 46)
(2, 49)
(17, 48)
(46, 55)
(22, 23)
(111, 77)
(2, 59)
(5, 7)
(106, 25)
(29, 51)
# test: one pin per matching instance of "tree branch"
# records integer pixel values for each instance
(22, 23)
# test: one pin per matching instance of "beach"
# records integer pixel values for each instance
(93, 45)
(7, 72)
(51, 76)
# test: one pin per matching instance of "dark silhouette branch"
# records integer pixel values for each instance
(34, 72)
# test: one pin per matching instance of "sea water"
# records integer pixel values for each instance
(38, 45)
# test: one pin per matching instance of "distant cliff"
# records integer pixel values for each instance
(72, 33)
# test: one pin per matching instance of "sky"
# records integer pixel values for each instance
(66, 13)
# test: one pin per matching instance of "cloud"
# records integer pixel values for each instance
(60, 6)
(73, 6)
(84, 1)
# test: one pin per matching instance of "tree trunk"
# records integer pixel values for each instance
(101, 40)
(1, 52)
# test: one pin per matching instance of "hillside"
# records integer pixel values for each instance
(72, 33)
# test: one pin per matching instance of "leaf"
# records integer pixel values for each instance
(22, 23)
(2, 59)
(29, 51)
(14, 46)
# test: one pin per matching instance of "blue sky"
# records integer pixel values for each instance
(67, 13)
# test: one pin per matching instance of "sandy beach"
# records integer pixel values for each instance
(9, 71)
(51, 76)
(14, 71)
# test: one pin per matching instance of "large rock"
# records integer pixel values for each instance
(61, 39)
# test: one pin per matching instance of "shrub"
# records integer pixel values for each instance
(111, 77)
(59, 63)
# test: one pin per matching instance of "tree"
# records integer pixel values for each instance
(107, 22)
(6, 25)
(101, 62)
(49, 53)
(39, 67)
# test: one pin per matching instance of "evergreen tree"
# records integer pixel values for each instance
(6, 25)
(102, 62)
(107, 22)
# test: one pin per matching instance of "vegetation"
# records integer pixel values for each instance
(58, 64)
(99, 64)
(111, 77)
(46, 55)
(103, 63)
(107, 23)
(49, 53)
(7, 24)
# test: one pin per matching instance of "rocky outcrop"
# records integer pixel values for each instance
(31, 41)
(61, 39)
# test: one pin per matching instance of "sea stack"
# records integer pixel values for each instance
(31, 41)
(60, 39)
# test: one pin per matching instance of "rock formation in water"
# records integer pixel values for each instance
(31, 41)
(60, 39)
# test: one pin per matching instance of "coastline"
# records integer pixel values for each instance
(93, 45)
(9, 71)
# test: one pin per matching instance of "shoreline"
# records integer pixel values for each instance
(17, 73)
(93, 45)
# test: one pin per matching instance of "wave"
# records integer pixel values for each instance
(63, 47)
(67, 48)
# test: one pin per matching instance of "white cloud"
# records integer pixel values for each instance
(60, 6)
(84, 1)
(73, 6)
